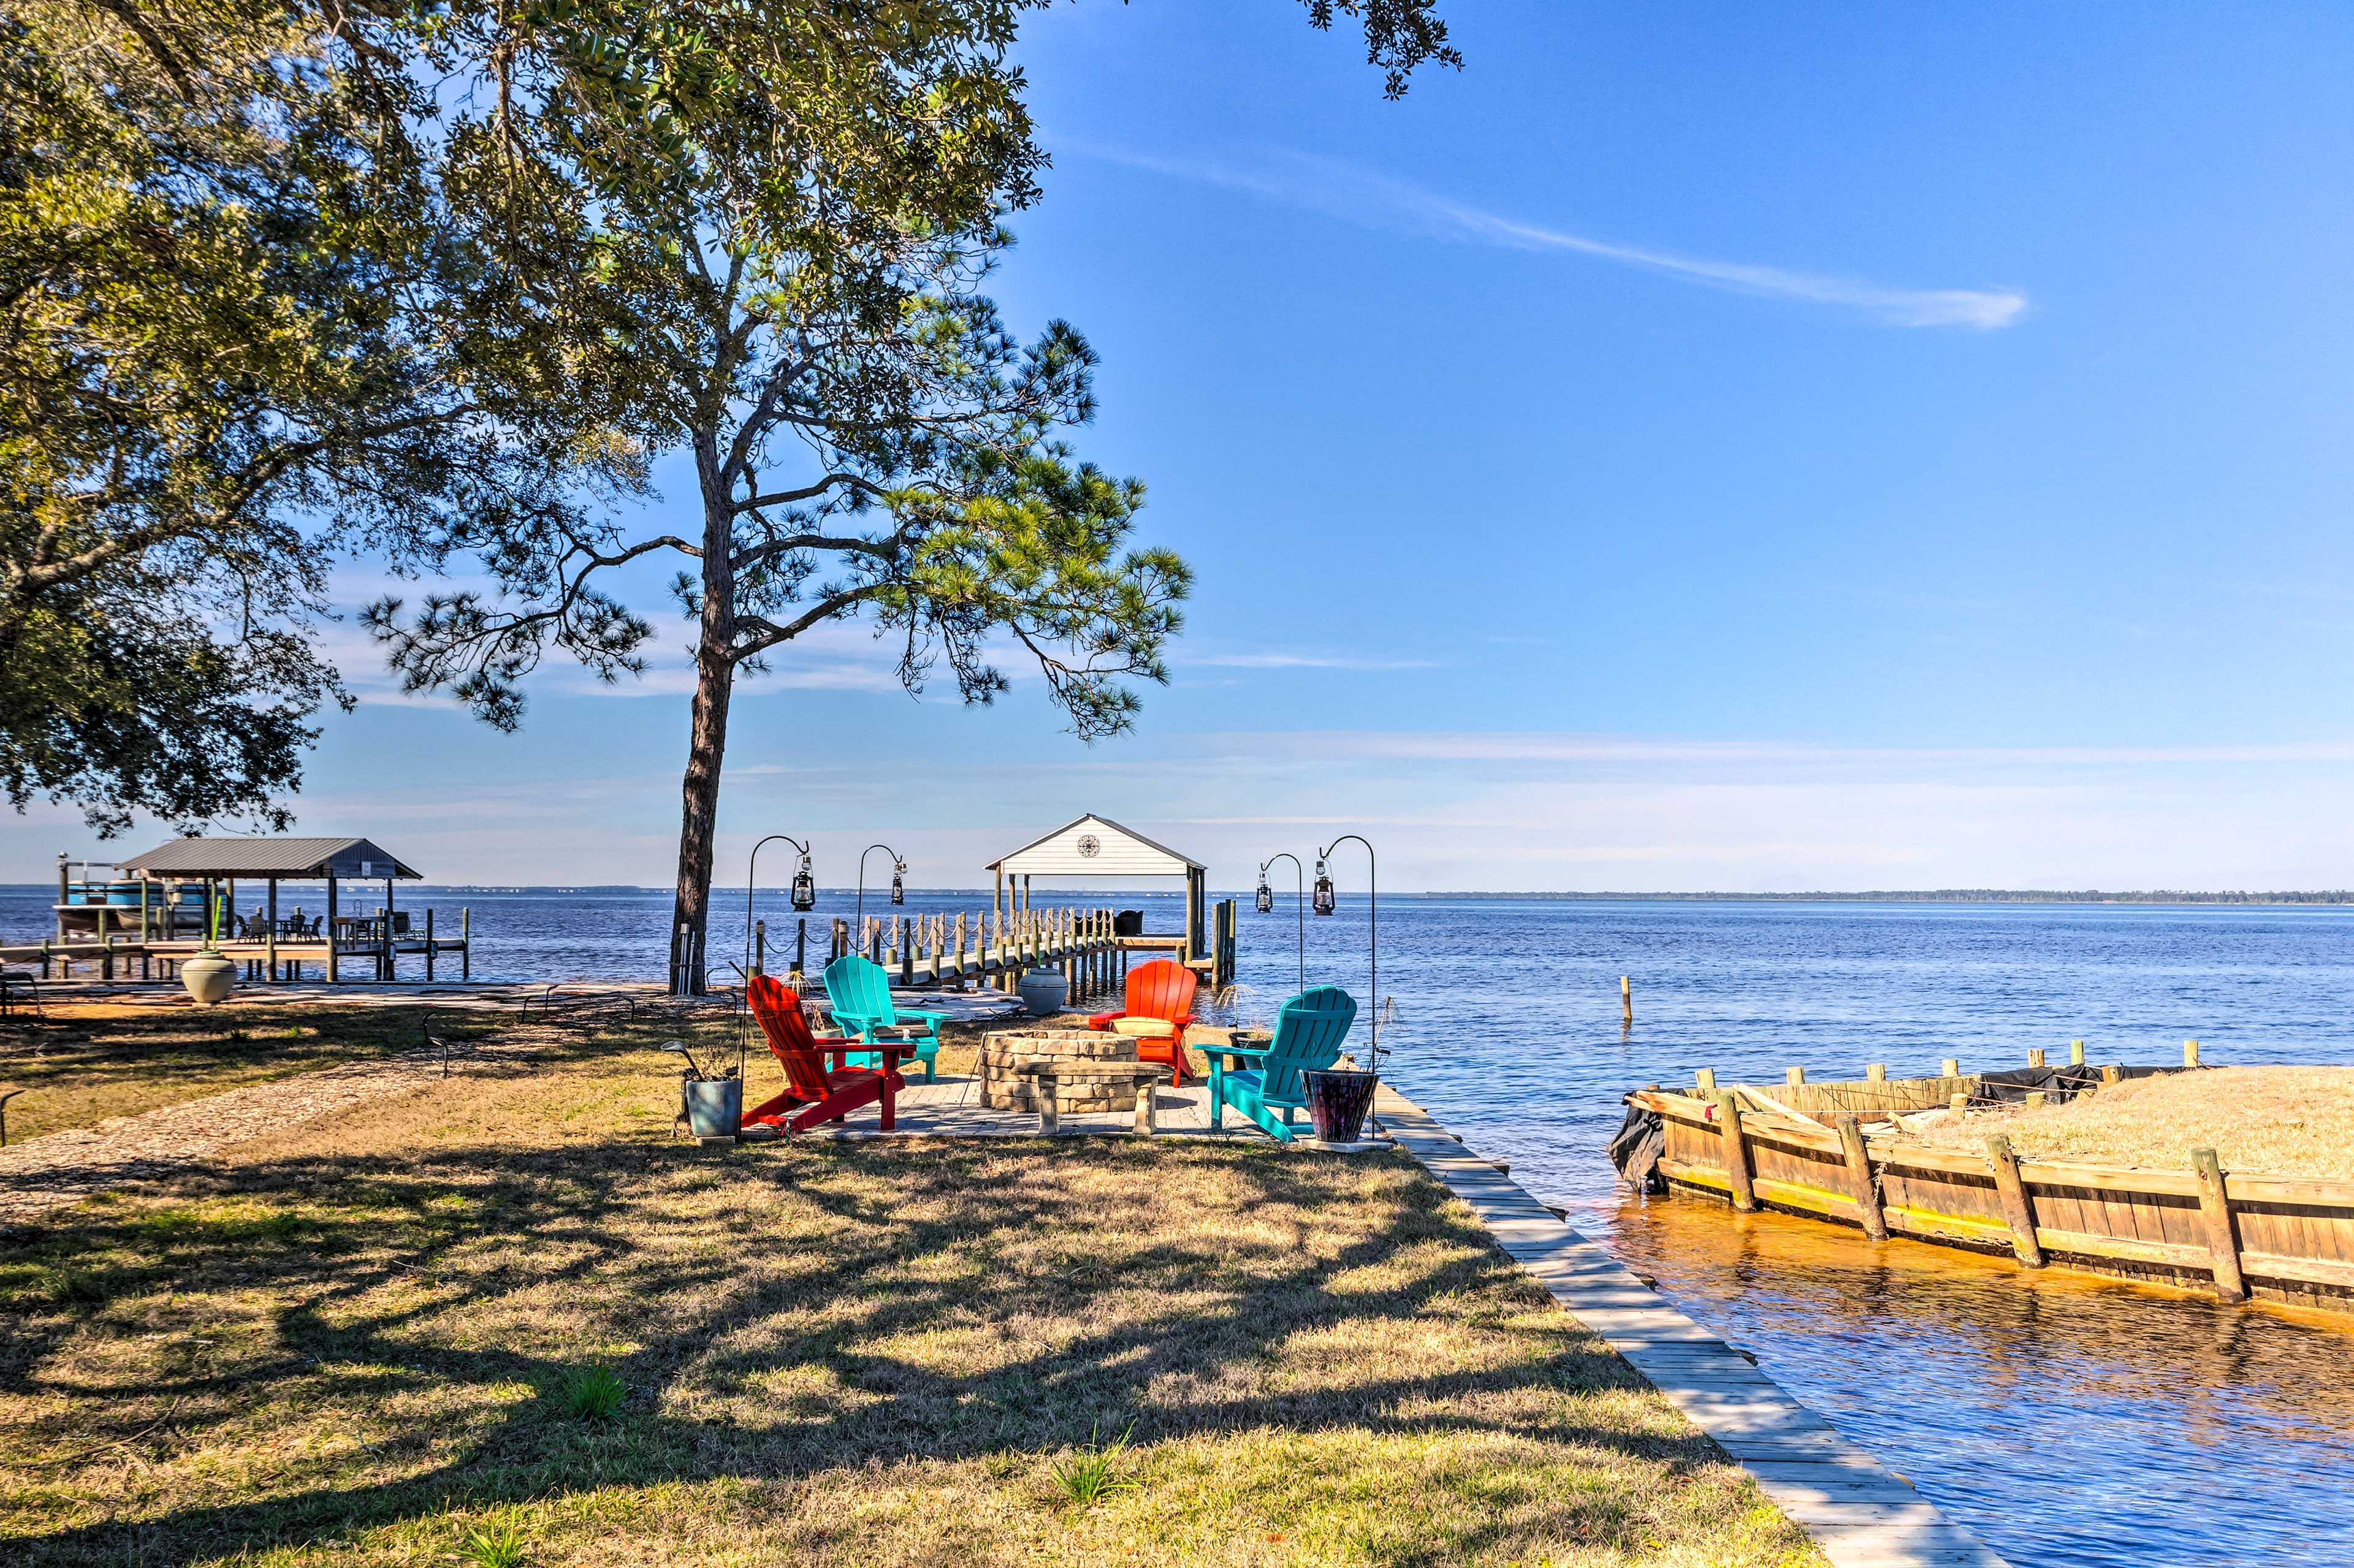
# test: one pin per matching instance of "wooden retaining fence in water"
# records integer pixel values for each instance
(1805, 1149)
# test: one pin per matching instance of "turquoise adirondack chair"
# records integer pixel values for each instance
(1265, 1084)
(860, 990)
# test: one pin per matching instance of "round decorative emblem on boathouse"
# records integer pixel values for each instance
(1089, 845)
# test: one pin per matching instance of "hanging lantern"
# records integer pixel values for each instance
(1324, 903)
(1266, 894)
(804, 888)
(898, 885)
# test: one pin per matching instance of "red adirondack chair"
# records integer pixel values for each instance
(814, 1093)
(1162, 989)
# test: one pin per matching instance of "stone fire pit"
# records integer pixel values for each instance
(1002, 1055)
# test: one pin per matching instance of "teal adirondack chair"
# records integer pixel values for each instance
(1265, 1084)
(860, 990)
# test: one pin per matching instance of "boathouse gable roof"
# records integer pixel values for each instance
(1094, 846)
(288, 859)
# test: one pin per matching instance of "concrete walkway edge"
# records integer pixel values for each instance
(1856, 1510)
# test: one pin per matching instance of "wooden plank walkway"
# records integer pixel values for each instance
(1861, 1514)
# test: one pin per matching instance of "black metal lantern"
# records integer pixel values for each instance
(1324, 901)
(804, 888)
(899, 883)
(1266, 894)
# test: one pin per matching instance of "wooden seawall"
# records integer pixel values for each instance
(2282, 1238)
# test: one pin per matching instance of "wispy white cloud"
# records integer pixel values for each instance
(1276, 661)
(1359, 196)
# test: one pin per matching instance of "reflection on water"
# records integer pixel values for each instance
(2011, 1396)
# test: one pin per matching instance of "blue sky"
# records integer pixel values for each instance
(1694, 447)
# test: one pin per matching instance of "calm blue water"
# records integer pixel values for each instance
(2069, 1421)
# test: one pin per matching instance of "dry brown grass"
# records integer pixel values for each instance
(2283, 1121)
(352, 1344)
(86, 1063)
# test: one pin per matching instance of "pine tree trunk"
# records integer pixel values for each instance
(706, 746)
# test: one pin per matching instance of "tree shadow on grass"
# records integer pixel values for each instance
(791, 1312)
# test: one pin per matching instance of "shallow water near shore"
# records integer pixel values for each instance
(2070, 1420)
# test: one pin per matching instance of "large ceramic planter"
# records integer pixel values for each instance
(1044, 992)
(208, 977)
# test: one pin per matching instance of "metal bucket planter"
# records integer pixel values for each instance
(714, 1106)
(1043, 990)
(1337, 1104)
(208, 977)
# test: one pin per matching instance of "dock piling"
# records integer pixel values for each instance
(1875, 1072)
(1951, 1067)
(2190, 1052)
(2035, 1055)
(1793, 1076)
(1736, 1151)
(1864, 1188)
(2216, 1209)
(2075, 1053)
(1705, 1077)
(1625, 1003)
(2013, 1193)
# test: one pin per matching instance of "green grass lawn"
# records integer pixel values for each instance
(505, 1320)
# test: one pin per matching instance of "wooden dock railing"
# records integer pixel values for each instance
(988, 949)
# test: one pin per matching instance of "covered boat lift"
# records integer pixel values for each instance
(146, 905)
(1096, 846)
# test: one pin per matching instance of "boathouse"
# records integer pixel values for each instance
(1094, 846)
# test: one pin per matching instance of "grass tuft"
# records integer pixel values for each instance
(1092, 1472)
(593, 1393)
(498, 1543)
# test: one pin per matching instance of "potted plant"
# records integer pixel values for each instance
(209, 976)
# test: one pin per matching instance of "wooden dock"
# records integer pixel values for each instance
(990, 950)
(375, 957)
(1831, 1152)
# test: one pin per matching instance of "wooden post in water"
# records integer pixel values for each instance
(2190, 1052)
(465, 942)
(2035, 1055)
(1706, 1079)
(1861, 1185)
(2075, 1053)
(1625, 1003)
(1793, 1076)
(1951, 1067)
(1875, 1072)
(2215, 1208)
(429, 942)
(1736, 1151)
(2013, 1193)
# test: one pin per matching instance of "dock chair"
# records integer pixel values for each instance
(813, 1093)
(1263, 1083)
(860, 990)
(1160, 1007)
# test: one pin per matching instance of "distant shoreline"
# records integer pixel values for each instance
(2336, 897)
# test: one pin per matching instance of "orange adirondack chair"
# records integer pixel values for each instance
(1163, 991)
(814, 1093)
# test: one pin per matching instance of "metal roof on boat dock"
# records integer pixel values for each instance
(286, 858)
